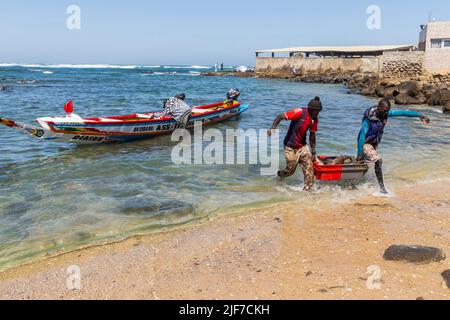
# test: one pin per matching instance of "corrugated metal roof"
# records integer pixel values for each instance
(344, 49)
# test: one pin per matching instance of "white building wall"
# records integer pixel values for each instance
(437, 60)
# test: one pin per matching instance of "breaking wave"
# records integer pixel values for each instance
(191, 73)
(73, 66)
(187, 67)
(98, 66)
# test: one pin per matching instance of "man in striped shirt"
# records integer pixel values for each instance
(178, 109)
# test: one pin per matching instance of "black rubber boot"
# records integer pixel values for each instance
(379, 174)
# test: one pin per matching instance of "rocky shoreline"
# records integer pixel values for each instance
(433, 90)
(247, 74)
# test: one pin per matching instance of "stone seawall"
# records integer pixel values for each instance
(316, 65)
(389, 65)
(401, 64)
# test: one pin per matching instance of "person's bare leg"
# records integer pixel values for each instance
(379, 174)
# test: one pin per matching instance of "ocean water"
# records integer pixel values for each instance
(57, 197)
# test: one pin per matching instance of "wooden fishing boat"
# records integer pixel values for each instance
(72, 128)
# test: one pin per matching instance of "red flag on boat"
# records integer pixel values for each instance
(68, 107)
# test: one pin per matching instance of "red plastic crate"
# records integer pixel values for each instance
(338, 172)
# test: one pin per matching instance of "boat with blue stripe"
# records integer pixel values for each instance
(72, 128)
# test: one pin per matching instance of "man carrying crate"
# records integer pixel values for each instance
(296, 149)
(374, 122)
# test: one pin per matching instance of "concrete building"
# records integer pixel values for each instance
(336, 51)
(434, 39)
(400, 61)
(320, 60)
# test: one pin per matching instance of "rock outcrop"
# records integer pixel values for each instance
(247, 74)
(411, 88)
(414, 254)
(439, 97)
(406, 99)
(433, 90)
(446, 108)
(446, 276)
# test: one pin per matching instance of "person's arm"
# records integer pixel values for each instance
(276, 122)
(167, 112)
(294, 114)
(312, 137)
(362, 137)
(312, 143)
(408, 113)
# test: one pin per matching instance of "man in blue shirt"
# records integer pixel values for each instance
(374, 121)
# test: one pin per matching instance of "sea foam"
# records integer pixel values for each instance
(71, 66)
(97, 66)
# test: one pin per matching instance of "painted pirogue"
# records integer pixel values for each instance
(72, 128)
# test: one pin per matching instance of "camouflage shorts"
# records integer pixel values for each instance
(370, 154)
(300, 157)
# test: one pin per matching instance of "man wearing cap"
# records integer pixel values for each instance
(296, 149)
(372, 130)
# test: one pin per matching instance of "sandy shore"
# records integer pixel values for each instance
(280, 252)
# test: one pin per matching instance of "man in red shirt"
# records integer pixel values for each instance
(296, 149)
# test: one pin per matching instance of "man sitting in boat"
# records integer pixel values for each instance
(178, 109)
(296, 149)
(374, 121)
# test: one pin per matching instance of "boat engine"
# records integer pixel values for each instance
(233, 94)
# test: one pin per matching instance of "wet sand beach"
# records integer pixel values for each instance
(283, 251)
(211, 231)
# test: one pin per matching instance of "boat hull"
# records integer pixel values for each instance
(113, 129)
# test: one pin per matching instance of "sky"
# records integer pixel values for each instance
(204, 32)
